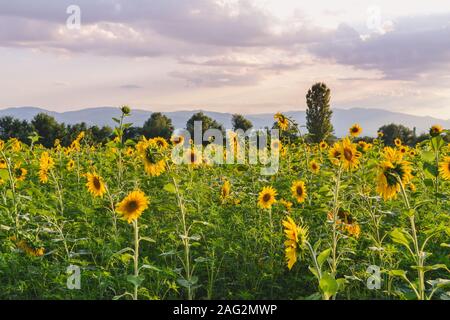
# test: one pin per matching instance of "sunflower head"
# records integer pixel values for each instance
(355, 130)
(298, 190)
(282, 121)
(390, 176)
(3, 164)
(154, 163)
(296, 238)
(159, 142)
(349, 155)
(314, 166)
(444, 168)
(267, 198)
(225, 190)
(177, 140)
(95, 185)
(70, 165)
(335, 153)
(397, 142)
(323, 145)
(436, 130)
(132, 206)
(286, 204)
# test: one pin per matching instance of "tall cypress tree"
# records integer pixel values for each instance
(318, 114)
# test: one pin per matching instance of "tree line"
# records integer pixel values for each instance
(318, 125)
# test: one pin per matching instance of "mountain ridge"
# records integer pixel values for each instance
(370, 119)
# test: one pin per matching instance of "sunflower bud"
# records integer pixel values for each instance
(125, 110)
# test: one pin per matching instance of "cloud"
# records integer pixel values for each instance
(217, 78)
(130, 86)
(416, 46)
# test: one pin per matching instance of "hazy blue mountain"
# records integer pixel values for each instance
(369, 119)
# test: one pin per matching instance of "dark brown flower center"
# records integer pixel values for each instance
(131, 206)
(299, 190)
(266, 197)
(97, 184)
(348, 154)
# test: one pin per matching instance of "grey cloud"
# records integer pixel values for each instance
(417, 45)
(199, 78)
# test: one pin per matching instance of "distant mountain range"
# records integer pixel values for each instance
(370, 119)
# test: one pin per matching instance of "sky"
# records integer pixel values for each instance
(243, 56)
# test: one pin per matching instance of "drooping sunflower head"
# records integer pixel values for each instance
(436, 130)
(390, 175)
(298, 190)
(363, 146)
(132, 206)
(225, 190)
(444, 168)
(282, 121)
(314, 166)
(355, 130)
(392, 155)
(397, 142)
(349, 155)
(296, 238)
(267, 198)
(20, 173)
(95, 185)
(154, 163)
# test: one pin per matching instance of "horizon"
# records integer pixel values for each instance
(226, 55)
(214, 111)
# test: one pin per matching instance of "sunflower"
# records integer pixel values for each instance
(95, 185)
(436, 130)
(323, 145)
(266, 197)
(335, 153)
(388, 178)
(276, 145)
(363, 146)
(43, 176)
(380, 134)
(16, 145)
(355, 130)
(176, 140)
(46, 162)
(403, 149)
(444, 168)
(3, 164)
(286, 204)
(349, 155)
(160, 142)
(129, 152)
(225, 190)
(20, 173)
(412, 153)
(133, 205)
(70, 165)
(397, 142)
(297, 237)
(298, 189)
(154, 165)
(314, 166)
(282, 121)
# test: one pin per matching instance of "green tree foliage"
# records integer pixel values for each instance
(318, 114)
(207, 123)
(48, 129)
(14, 128)
(240, 122)
(393, 131)
(158, 125)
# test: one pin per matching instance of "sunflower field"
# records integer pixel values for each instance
(342, 220)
